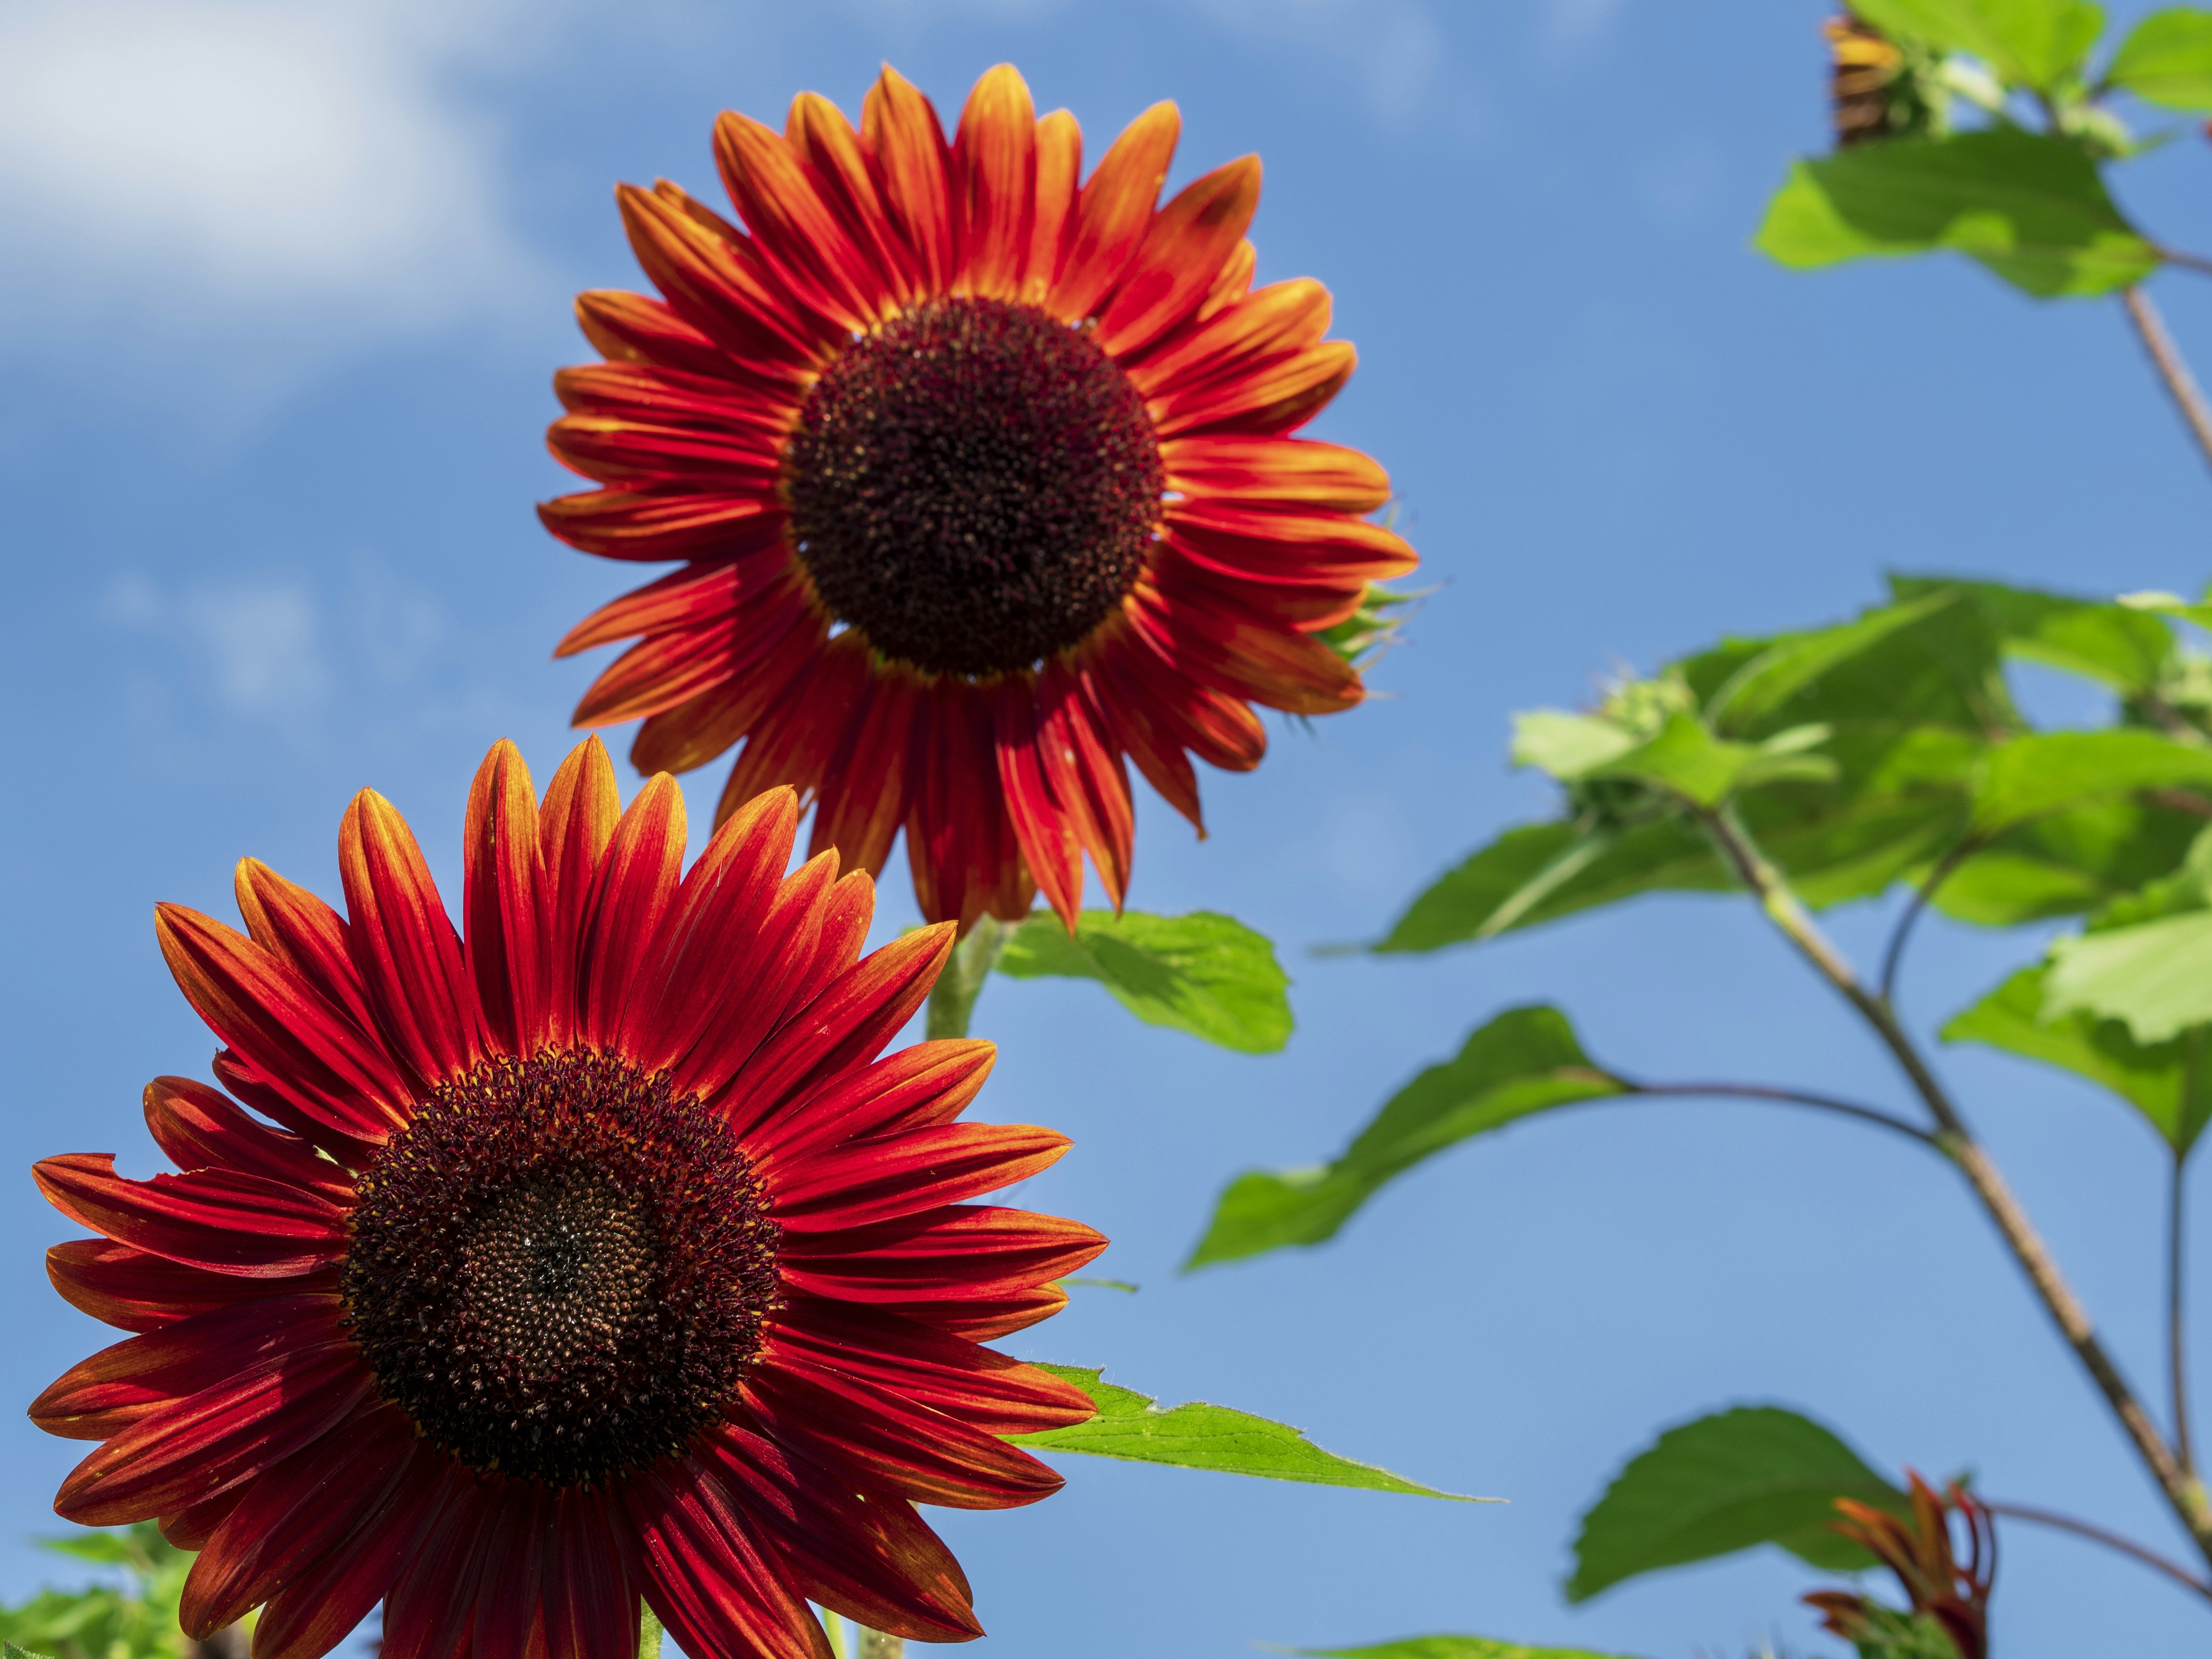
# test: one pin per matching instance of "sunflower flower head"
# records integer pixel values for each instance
(593, 1251)
(982, 477)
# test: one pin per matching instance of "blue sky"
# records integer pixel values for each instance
(287, 282)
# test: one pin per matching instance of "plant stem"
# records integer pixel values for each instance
(1787, 1096)
(2184, 1491)
(1923, 896)
(2177, 1324)
(2110, 1540)
(874, 1644)
(954, 999)
(649, 1633)
(2165, 357)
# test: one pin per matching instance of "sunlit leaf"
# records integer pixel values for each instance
(2166, 1082)
(1202, 1436)
(2167, 60)
(2122, 646)
(1451, 1647)
(2030, 43)
(2156, 978)
(1202, 973)
(1754, 1475)
(2033, 209)
(1524, 1062)
(2051, 771)
(2066, 862)
(1768, 681)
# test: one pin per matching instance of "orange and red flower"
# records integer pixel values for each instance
(597, 1256)
(984, 484)
(1920, 1551)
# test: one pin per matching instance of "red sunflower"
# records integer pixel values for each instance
(597, 1256)
(983, 479)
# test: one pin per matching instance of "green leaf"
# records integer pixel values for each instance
(1753, 1475)
(2122, 646)
(2033, 209)
(2156, 977)
(2029, 43)
(2166, 1082)
(1202, 1437)
(2050, 771)
(1451, 1647)
(1202, 973)
(1524, 1062)
(2066, 862)
(1567, 745)
(2167, 60)
(1768, 681)
(9, 1650)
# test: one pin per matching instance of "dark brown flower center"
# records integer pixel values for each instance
(560, 1270)
(973, 486)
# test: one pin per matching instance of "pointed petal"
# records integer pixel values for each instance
(499, 901)
(919, 1087)
(1232, 285)
(1314, 550)
(960, 843)
(1278, 394)
(793, 227)
(1180, 711)
(1184, 251)
(574, 824)
(592, 1606)
(1058, 166)
(738, 1014)
(705, 1574)
(1293, 474)
(319, 1608)
(667, 521)
(905, 145)
(1050, 844)
(134, 1290)
(633, 328)
(201, 1129)
(983, 1389)
(404, 945)
(823, 139)
(698, 594)
(1113, 211)
(883, 1177)
(965, 1251)
(1215, 642)
(795, 739)
(428, 1610)
(218, 1219)
(994, 174)
(638, 878)
(986, 1320)
(720, 285)
(863, 791)
(305, 935)
(1083, 769)
(1281, 317)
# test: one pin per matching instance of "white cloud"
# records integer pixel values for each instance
(257, 646)
(183, 167)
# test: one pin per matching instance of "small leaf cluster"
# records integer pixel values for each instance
(133, 1619)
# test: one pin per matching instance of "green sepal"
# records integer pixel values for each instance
(1198, 1435)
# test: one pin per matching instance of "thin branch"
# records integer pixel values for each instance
(1873, 1115)
(2165, 357)
(2196, 262)
(2184, 1491)
(1894, 958)
(2177, 1326)
(2110, 1540)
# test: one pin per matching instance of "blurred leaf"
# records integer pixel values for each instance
(1202, 1437)
(2120, 645)
(2029, 43)
(1567, 745)
(2155, 977)
(2166, 1082)
(2167, 60)
(1753, 1475)
(2066, 862)
(2050, 771)
(9, 1650)
(1202, 973)
(2033, 209)
(1451, 1647)
(138, 1620)
(1768, 681)
(1524, 1062)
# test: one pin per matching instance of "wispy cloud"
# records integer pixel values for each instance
(1393, 49)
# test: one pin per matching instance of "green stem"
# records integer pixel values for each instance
(874, 1644)
(649, 1633)
(2182, 1490)
(954, 999)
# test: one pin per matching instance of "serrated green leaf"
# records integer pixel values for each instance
(1202, 973)
(1198, 1435)
(2167, 60)
(2155, 977)
(1524, 1062)
(9, 1650)
(1451, 1647)
(2029, 43)
(1769, 680)
(2166, 1082)
(2051, 771)
(2122, 646)
(2033, 209)
(1753, 1475)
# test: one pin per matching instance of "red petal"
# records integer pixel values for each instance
(638, 878)
(867, 1555)
(1287, 549)
(300, 930)
(1293, 473)
(733, 1016)
(983, 1389)
(708, 953)
(202, 1129)
(284, 1523)
(960, 843)
(283, 1028)
(206, 1444)
(755, 651)
(797, 737)
(574, 824)
(405, 944)
(905, 145)
(845, 918)
(1256, 329)
(890, 1442)
(919, 1087)
(845, 1026)
(668, 521)
(635, 453)
(518, 1561)
(190, 1527)
(1277, 394)
(318, 1609)
(248, 1085)
(1083, 764)
(218, 1219)
(431, 1605)
(631, 328)
(706, 1575)
(982, 1320)
(821, 136)
(592, 1607)
(994, 183)
(883, 1177)
(1058, 166)
(792, 227)
(499, 901)
(1234, 282)
(1185, 248)
(1113, 210)
(863, 791)
(964, 1252)
(1050, 844)
(647, 395)
(700, 593)
(1180, 711)
(719, 284)
(103, 1395)
(136, 1290)
(1216, 642)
